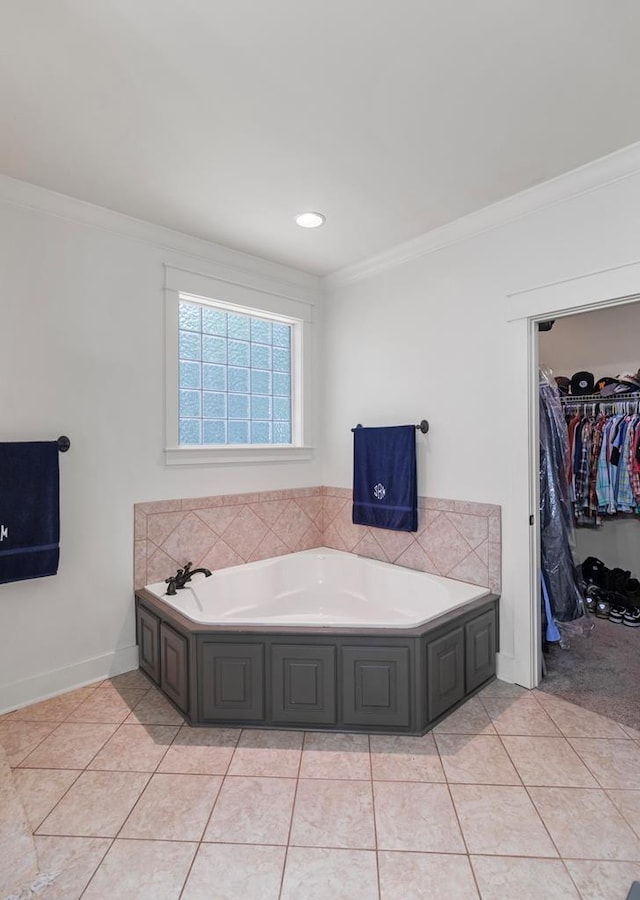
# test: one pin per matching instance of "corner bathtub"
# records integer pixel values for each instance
(319, 639)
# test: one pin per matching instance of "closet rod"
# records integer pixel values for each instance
(572, 400)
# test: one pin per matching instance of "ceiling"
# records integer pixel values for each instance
(225, 118)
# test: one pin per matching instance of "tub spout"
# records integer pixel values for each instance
(205, 572)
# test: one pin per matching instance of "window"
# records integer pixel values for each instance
(237, 379)
(235, 376)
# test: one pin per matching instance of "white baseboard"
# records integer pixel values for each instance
(505, 665)
(50, 684)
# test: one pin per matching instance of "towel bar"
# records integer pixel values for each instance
(63, 443)
(422, 426)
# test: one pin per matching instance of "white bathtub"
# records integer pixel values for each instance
(319, 588)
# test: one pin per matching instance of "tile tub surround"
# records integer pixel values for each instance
(265, 816)
(456, 538)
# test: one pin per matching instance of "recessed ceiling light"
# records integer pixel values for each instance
(310, 219)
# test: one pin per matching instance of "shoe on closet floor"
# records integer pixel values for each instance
(632, 592)
(617, 612)
(632, 617)
(594, 571)
(603, 608)
(591, 597)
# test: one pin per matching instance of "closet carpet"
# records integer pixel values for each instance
(600, 671)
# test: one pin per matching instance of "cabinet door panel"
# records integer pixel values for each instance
(480, 653)
(376, 686)
(149, 643)
(445, 673)
(303, 684)
(231, 681)
(174, 657)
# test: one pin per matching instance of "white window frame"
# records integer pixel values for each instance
(194, 287)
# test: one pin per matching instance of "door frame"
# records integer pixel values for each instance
(523, 310)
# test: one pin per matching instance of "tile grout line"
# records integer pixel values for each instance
(533, 803)
(375, 825)
(150, 774)
(621, 811)
(293, 809)
(204, 831)
(458, 822)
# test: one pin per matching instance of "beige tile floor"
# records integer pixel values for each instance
(517, 794)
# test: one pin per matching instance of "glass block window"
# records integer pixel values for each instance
(235, 377)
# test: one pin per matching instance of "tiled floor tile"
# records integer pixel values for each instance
(548, 762)
(40, 790)
(96, 805)
(417, 876)
(54, 710)
(573, 721)
(585, 822)
(536, 879)
(403, 758)
(616, 764)
(501, 689)
(313, 873)
(134, 679)
(475, 759)
(335, 756)
(519, 715)
(471, 718)
(71, 746)
(18, 861)
(233, 871)
(135, 748)
(603, 880)
(416, 817)
(628, 802)
(252, 811)
(333, 814)
(173, 808)
(200, 751)
(154, 709)
(500, 820)
(74, 859)
(106, 706)
(144, 870)
(632, 732)
(18, 739)
(267, 753)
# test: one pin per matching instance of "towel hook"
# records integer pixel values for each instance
(63, 443)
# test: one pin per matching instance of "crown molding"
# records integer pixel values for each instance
(234, 265)
(590, 177)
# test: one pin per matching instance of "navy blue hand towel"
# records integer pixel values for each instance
(29, 510)
(385, 491)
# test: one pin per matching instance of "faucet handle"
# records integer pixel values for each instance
(171, 590)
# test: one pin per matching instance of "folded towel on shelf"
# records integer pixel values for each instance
(385, 491)
(29, 510)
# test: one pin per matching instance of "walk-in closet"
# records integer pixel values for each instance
(589, 403)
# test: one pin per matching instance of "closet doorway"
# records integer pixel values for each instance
(589, 427)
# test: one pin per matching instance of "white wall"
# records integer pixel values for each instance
(81, 353)
(429, 337)
(604, 342)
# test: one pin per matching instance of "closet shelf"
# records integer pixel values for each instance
(630, 397)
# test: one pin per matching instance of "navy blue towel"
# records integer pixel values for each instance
(29, 510)
(385, 487)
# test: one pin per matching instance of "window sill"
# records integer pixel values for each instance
(236, 454)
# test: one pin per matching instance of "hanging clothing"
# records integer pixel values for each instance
(556, 510)
(604, 470)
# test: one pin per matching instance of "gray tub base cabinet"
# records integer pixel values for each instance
(394, 681)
